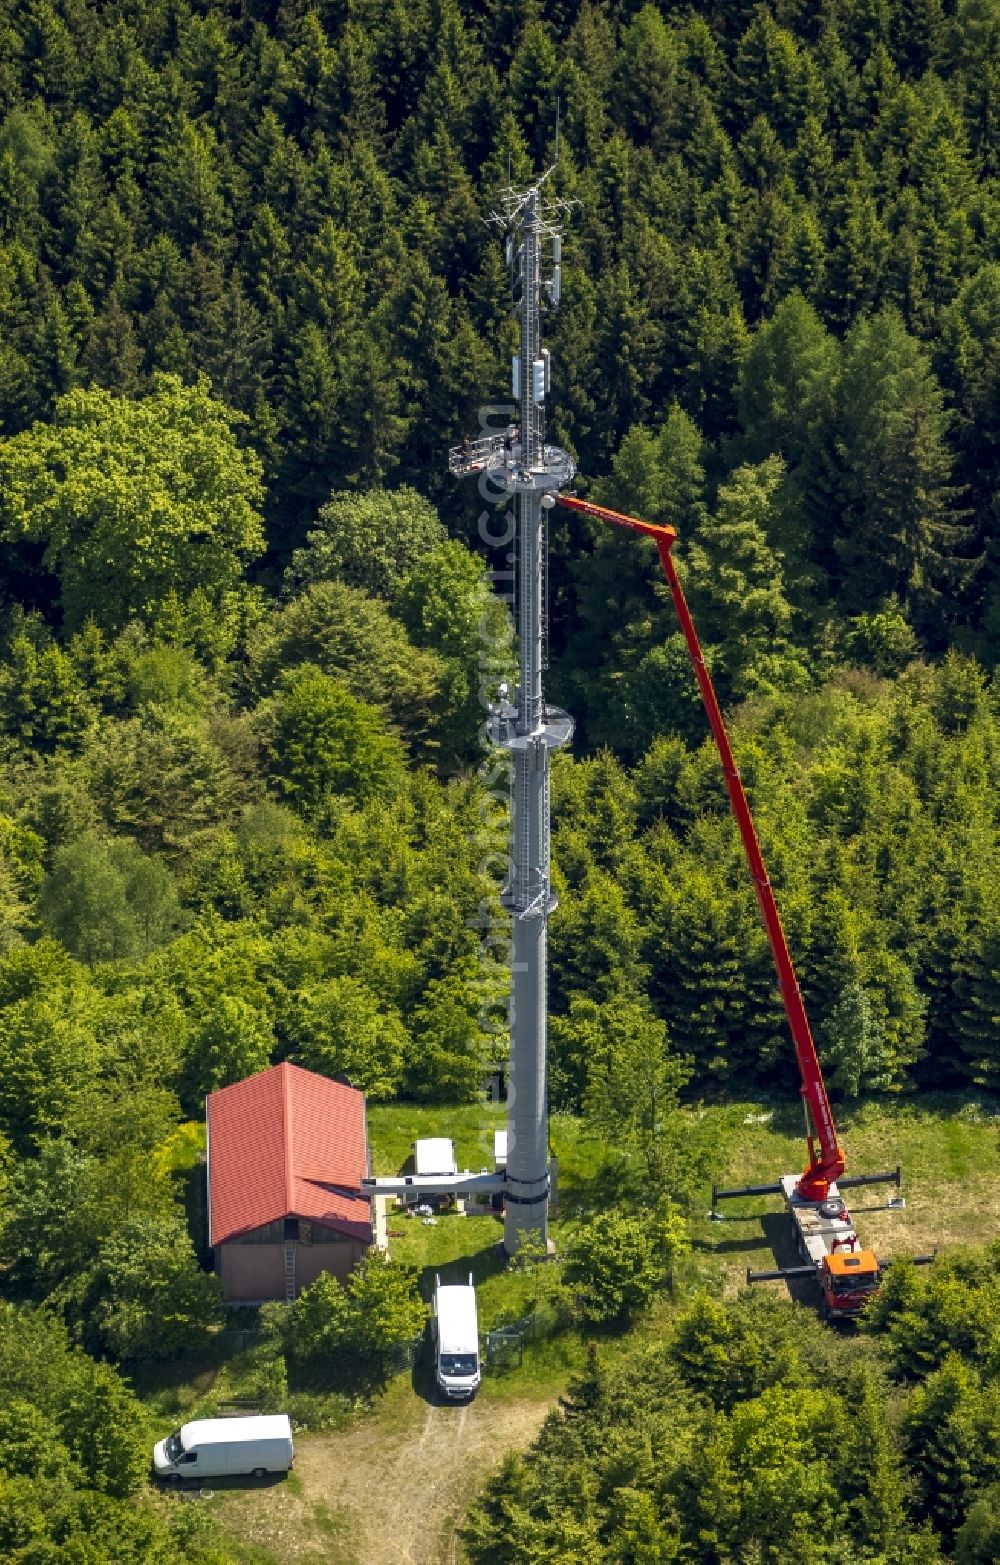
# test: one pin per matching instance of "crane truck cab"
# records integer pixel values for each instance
(847, 1281)
(455, 1328)
(847, 1273)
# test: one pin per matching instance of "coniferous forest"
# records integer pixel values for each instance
(249, 297)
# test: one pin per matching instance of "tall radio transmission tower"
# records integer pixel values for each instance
(521, 465)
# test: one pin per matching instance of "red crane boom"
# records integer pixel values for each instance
(826, 1158)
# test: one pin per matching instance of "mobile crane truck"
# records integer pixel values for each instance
(847, 1272)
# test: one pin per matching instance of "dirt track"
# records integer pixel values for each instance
(410, 1491)
(388, 1492)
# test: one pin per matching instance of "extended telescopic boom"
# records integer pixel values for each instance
(826, 1159)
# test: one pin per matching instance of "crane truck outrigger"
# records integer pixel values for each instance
(847, 1272)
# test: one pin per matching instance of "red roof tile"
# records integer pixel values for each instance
(286, 1143)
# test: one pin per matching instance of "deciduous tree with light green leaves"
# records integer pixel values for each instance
(446, 603)
(325, 741)
(229, 1040)
(350, 1331)
(49, 1050)
(352, 637)
(107, 899)
(135, 500)
(143, 1296)
(777, 1448)
(98, 1418)
(339, 1028)
(978, 1540)
(632, 1080)
(613, 1267)
(369, 540)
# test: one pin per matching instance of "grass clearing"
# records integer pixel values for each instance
(946, 1144)
(393, 1482)
(393, 1128)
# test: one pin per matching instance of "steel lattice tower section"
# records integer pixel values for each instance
(521, 465)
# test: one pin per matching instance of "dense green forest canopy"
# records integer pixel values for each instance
(245, 267)
(290, 199)
(752, 1433)
(248, 297)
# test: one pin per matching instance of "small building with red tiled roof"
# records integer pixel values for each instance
(287, 1150)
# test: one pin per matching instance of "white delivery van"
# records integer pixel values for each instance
(225, 1447)
(456, 1338)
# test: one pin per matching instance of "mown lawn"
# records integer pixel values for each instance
(946, 1144)
(456, 1245)
(393, 1128)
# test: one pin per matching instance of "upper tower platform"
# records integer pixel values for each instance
(503, 458)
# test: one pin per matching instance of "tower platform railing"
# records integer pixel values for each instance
(472, 456)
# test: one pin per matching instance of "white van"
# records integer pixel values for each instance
(456, 1338)
(225, 1447)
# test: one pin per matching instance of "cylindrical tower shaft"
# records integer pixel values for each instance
(529, 892)
(530, 901)
(523, 466)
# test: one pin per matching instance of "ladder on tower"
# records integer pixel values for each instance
(521, 855)
(290, 1273)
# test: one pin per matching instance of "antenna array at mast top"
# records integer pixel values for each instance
(545, 208)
